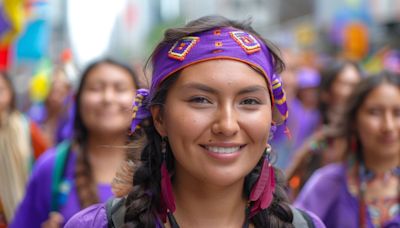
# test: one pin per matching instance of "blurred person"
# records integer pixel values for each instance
(338, 80)
(289, 74)
(78, 173)
(304, 108)
(363, 189)
(21, 143)
(206, 119)
(280, 142)
(54, 115)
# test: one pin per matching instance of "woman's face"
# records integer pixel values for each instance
(5, 95)
(217, 118)
(60, 88)
(378, 122)
(107, 96)
(343, 85)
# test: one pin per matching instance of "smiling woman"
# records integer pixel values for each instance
(207, 120)
(78, 173)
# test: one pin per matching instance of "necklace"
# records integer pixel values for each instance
(365, 175)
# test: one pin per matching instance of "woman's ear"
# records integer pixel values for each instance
(158, 120)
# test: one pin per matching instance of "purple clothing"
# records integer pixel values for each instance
(303, 123)
(95, 216)
(38, 114)
(35, 207)
(326, 194)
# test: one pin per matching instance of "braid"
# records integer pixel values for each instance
(85, 185)
(142, 202)
(278, 214)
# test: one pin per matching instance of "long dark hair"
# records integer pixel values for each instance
(360, 93)
(329, 74)
(86, 187)
(143, 201)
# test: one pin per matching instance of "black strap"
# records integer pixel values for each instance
(301, 218)
(115, 210)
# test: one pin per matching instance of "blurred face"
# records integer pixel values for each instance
(106, 99)
(378, 121)
(343, 85)
(217, 118)
(59, 91)
(309, 97)
(5, 95)
(289, 74)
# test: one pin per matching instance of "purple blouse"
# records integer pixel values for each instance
(36, 205)
(326, 194)
(95, 217)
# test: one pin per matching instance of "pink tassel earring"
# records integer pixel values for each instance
(262, 191)
(167, 196)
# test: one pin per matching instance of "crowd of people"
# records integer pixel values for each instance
(230, 132)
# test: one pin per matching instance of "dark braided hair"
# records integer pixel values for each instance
(143, 201)
(86, 186)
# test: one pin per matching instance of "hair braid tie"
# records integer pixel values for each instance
(139, 109)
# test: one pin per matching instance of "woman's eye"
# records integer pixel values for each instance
(396, 112)
(200, 100)
(250, 101)
(121, 88)
(374, 112)
(94, 88)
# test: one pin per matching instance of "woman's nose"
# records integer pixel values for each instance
(226, 122)
(108, 95)
(388, 122)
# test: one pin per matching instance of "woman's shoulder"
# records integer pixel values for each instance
(93, 216)
(325, 179)
(314, 197)
(328, 175)
(45, 163)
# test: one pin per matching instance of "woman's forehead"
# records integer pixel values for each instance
(222, 71)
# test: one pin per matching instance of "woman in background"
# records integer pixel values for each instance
(338, 80)
(54, 115)
(79, 173)
(363, 190)
(21, 143)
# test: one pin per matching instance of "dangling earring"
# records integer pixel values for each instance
(262, 191)
(167, 196)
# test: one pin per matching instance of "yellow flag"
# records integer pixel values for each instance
(15, 13)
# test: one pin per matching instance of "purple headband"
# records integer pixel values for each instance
(218, 43)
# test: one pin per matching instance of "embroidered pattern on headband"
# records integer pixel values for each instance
(246, 41)
(182, 47)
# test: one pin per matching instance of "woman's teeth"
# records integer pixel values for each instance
(223, 150)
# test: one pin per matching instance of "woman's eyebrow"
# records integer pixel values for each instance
(199, 86)
(255, 88)
(205, 88)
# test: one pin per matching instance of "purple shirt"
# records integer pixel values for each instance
(36, 205)
(95, 216)
(326, 194)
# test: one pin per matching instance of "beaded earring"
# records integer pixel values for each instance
(262, 191)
